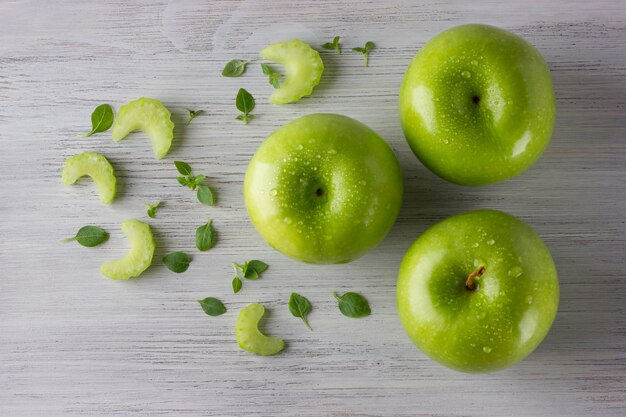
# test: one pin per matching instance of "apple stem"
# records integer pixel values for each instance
(469, 284)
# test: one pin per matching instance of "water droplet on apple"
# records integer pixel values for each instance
(475, 245)
(363, 182)
(446, 141)
(491, 242)
(287, 220)
(300, 147)
(474, 62)
(332, 151)
(466, 74)
(478, 262)
(273, 191)
(486, 349)
(516, 271)
(529, 299)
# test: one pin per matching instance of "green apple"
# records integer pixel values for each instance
(478, 291)
(323, 188)
(477, 105)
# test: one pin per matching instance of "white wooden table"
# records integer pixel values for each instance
(74, 343)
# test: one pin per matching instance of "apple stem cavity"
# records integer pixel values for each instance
(469, 283)
(475, 99)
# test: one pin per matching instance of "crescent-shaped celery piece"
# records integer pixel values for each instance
(138, 258)
(97, 167)
(303, 67)
(149, 116)
(250, 338)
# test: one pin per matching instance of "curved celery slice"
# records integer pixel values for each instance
(250, 338)
(138, 258)
(304, 69)
(150, 116)
(95, 166)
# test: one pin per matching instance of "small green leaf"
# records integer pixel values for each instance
(237, 284)
(101, 119)
(245, 104)
(234, 68)
(258, 266)
(183, 168)
(205, 236)
(251, 269)
(212, 306)
(300, 306)
(250, 273)
(353, 305)
(198, 180)
(177, 261)
(334, 45)
(151, 209)
(192, 115)
(183, 181)
(89, 236)
(205, 195)
(369, 45)
(273, 76)
(266, 69)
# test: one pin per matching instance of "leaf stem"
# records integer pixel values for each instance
(306, 323)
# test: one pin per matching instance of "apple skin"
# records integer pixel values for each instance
(323, 189)
(504, 318)
(477, 105)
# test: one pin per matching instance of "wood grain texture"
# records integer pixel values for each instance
(73, 343)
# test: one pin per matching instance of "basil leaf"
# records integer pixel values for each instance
(300, 306)
(177, 261)
(273, 76)
(237, 284)
(258, 266)
(369, 45)
(184, 181)
(251, 269)
(234, 68)
(183, 168)
(212, 306)
(205, 195)
(198, 180)
(151, 209)
(89, 236)
(205, 237)
(249, 273)
(353, 305)
(334, 45)
(192, 115)
(244, 101)
(101, 119)
(266, 69)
